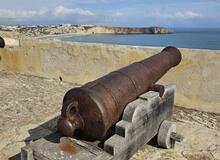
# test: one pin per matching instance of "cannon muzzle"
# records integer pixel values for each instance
(93, 108)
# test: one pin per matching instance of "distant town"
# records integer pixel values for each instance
(47, 30)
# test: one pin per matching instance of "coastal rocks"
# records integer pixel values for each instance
(160, 30)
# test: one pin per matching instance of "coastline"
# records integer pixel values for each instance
(54, 30)
(55, 37)
(180, 40)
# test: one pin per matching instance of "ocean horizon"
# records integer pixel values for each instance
(195, 38)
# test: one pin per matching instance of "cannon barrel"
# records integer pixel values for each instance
(9, 42)
(2, 42)
(93, 108)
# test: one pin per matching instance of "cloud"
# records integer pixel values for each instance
(21, 14)
(90, 1)
(58, 14)
(113, 17)
(63, 11)
(187, 15)
(118, 14)
(177, 15)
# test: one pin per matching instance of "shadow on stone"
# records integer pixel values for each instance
(42, 131)
(153, 142)
(16, 157)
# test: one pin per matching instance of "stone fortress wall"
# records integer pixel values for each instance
(197, 77)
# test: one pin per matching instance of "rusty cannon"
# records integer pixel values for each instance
(119, 112)
(9, 42)
(2, 42)
(92, 109)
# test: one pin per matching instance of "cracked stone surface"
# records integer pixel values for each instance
(27, 102)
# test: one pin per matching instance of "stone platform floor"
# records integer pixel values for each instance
(27, 102)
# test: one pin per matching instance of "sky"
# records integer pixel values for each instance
(132, 13)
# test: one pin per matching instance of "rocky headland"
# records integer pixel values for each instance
(50, 30)
(125, 30)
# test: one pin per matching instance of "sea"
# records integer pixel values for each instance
(197, 38)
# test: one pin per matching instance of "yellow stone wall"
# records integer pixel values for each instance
(197, 77)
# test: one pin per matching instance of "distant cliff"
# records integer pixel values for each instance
(126, 30)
